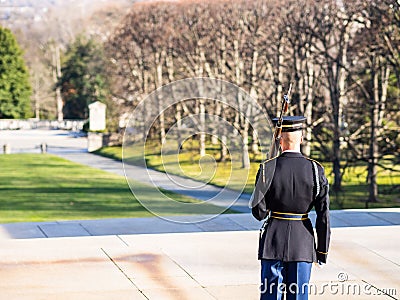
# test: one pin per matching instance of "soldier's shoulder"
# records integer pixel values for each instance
(269, 160)
(313, 160)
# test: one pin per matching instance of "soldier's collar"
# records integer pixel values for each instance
(291, 154)
(291, 151)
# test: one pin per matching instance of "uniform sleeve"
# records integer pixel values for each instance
(322, 225)
(258, 205)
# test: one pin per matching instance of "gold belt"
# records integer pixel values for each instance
(288, 216)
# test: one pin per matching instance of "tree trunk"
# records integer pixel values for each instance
(338, 112)
(242, 124)
(178, 109)
(223, 131)
(224, 148)
(214, 139)
(202, 128)
(254, 96)
(217, 113)
(335, 100)
(337, 183)
(337, 87)
(279, 79)
(373, 144)
(37, 97)
(224, 140)
(308, 105)
(245, 148)
(385, 83)
(178, 118)
(245, 135)
(60, 115)
(158, 80)
(56, 77)
(145, 88)
(254, 145)
(202, 109)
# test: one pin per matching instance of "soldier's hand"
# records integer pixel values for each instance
(319, 264)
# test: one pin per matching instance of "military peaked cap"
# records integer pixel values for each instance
(291, 123)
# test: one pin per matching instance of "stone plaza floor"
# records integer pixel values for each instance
(214, 259)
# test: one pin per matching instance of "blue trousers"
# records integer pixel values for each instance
(280, 278)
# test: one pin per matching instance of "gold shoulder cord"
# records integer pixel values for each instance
(263, 168)
(316, 178)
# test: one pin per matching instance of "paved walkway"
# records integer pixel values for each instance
(29, 141)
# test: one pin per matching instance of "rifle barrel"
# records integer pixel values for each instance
(278, 128)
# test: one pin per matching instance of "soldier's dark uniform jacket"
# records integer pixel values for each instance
(297, 186)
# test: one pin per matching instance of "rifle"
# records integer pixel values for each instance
(276, 138)
(263, 183)
(278, 128)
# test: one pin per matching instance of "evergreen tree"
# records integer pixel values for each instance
(15, 89)
(83, 80)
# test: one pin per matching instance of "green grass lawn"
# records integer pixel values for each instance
(355, 190)
(43, 187)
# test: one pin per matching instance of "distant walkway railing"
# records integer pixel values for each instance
(14, 124)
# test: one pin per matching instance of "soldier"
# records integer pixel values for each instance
(287, 188)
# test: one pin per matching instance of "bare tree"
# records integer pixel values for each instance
(372, 81)
(261, 46)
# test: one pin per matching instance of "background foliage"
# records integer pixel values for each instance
(15, 89)
(342, 57)
(83, 79)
